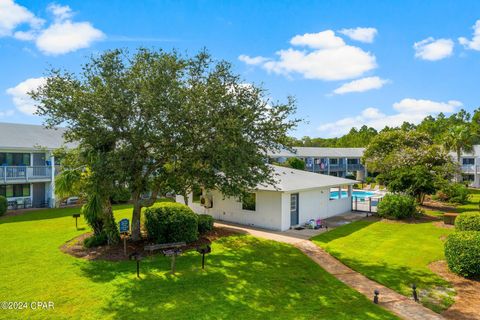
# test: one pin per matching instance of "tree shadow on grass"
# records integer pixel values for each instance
(344, 230)
(49, 213)
(245, 278)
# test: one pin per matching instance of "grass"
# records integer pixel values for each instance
(394, 254)
(246, 278)
(473, 202)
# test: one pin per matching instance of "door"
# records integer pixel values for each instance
(38, 195)
(294, 209)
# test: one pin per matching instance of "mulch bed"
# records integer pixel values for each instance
(438, 206)
(74, 247)
(467, 300)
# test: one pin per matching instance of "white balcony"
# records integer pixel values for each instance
(20, 174)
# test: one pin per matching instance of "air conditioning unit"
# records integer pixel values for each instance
(206, 201)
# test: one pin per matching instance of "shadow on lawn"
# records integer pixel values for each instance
(344, 230)
(49, 213)
(244, 278)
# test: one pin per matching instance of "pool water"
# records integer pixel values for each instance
(361, 195)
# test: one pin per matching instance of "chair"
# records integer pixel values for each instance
(20, 203)
(28, 203)
(377, 187)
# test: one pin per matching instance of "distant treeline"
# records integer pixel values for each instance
(435, 127)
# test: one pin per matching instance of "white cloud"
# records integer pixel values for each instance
(66, 36)
(431, 49)
(20, 96)
(410, 110)
(60, 37)
(361, 85)
(366, 35)
(60, 13)
(252, 60)
(473, 44)
(13, 15)
(326, 57)
(320, 40)
(7, 113)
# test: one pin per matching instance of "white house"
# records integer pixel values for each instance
(297, 197)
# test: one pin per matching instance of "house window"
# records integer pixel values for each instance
(15, 190)
(14, 159)
(352, 161)
(468, 161)
(334, 161)
(197, 193)
(468, 177)
(249, 202)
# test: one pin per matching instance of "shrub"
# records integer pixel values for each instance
(95, 240)
(205, 223)
(171, 222)
(468, 222)
(454, 193)
(462, 251)
(3, 205)
(395, 206)
(121, 195)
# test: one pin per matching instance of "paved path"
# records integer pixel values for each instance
(400, 305)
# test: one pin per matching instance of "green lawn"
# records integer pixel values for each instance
(473, 202)
(246, 278)
(394, 254)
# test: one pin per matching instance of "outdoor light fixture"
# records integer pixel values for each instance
(375, 297)
(204, 250)
(76, 216)
(137, 257)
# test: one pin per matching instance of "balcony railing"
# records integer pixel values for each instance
(470, 168)
(24, 173)
(355, 167)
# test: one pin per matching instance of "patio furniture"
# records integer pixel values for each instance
(20, 203)
(28, 203)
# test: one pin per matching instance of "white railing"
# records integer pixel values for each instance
(470, 168)
(25, 173)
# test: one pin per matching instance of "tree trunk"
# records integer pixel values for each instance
(136, 215)
(185, 198)
(138, 204)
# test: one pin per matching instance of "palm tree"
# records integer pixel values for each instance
(457, 139)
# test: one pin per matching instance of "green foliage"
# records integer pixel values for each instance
(121, 195)
(469, 221)
(95, 240)
(416, 181)
(120, 107)
(205, 223)
(462, 251)
(453, 193)
(171, 222)
(295, 163)
(92, 211)
(3, 205)
(396, 206)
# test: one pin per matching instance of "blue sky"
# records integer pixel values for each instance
(348, 63)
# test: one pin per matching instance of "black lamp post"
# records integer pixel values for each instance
(414, 292)
(204, 250)
(76, 216)
(375, 297)
(137, 257)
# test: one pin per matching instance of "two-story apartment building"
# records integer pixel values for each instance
(339, 162)
(27, 166)
(470, 166)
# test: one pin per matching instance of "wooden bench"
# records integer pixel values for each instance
(161, 246)
(449, 218)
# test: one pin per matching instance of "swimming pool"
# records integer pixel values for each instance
(361, 195)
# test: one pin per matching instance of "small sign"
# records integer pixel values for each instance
(124, 225)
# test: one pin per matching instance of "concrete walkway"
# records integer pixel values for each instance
(400, 305)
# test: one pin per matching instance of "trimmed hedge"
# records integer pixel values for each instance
(468, 222)
(171, 222)
(3, 205)
(205, 223)
(462, 252)
(396, 206)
